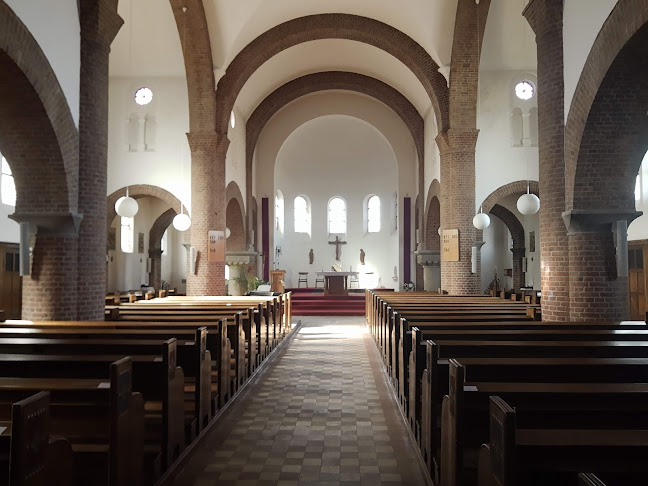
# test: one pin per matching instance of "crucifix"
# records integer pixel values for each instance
(337, 244)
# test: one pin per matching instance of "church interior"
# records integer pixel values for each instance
(351, 212)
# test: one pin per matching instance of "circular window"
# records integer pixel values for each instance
(232, 119)
(143, 96)
(524, 90)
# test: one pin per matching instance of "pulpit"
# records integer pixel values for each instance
(336, 283)
(277, 280)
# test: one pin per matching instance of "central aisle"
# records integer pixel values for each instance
(320, 414)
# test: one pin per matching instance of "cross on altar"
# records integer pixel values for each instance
(337, 244)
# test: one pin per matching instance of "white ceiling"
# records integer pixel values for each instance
(148, 44)
(330, 55)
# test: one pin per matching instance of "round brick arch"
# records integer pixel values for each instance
(606, 131)
(38, 135)
(138, 191)
(331, 26)
(331, 80)
(233, 191)
(517, 187)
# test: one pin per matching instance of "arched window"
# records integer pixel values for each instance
(373, 214)
(127, 234)
(337, 215)
(8, 186)
(302, 215)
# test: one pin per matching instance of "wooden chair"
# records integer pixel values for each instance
(319, 280)
(303, 278)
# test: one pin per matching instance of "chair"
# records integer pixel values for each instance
(354, 280)
(303, 278)
(319, 280)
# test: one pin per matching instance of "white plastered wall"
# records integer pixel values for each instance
(326, 103)
(497, 161)
(128, 271)
(235, 160)
(638, 229)
(582, 21)
(432, 168)
(168, 165)
(346, 157)
(55, 26)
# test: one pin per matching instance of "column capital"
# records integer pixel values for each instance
(428, 258)
(457, 140)
(100, 21)
(61, 224)
(211, 141)
(544, 15)
(581, 221)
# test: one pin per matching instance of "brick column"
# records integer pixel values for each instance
(457, 150)
(546, 19)
(155, 275)
(99, 26)
(518, 273)
(208, 206)
(596, 291)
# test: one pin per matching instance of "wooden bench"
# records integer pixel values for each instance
(552, 443)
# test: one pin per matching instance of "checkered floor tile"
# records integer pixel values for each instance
(321, 414)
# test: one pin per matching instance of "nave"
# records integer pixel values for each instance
(320, 414)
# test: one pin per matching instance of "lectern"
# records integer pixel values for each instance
(277, 280)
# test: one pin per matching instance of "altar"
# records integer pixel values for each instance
(336, 283)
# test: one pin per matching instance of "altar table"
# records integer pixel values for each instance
(336, 283)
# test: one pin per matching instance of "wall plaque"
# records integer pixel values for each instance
(216, 246)
(450, 245)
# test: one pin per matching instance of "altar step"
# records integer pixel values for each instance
(317, 304)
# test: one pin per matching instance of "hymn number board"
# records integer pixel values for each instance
(450, 245)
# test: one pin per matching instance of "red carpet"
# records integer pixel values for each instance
(309, 302)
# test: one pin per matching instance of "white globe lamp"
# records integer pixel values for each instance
(227, 233)
(182, 222)
(126, 206)
(528, 204)
(481, 221)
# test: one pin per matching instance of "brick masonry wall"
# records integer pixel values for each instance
(48, 293)
(432, 238)
(517, 235)
(545, 18)
(234, 218)
(155, 246)
(596, 293)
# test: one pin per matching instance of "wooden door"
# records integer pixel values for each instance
(10, 280)
(637, 280)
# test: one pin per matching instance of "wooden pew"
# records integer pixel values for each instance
(551, 444)
(464, 424)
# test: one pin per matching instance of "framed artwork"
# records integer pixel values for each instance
(140, 243)
(112, 239)
(532, 241)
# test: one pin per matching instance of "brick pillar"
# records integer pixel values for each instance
(208, 151)
(99, 26)
(546, 19)
(48, 293)
(518, 273)
(155, 276)
(457, 150)
(596, 291)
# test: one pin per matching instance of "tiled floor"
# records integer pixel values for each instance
(320, 414)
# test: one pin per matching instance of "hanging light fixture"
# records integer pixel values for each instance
(481, 220)
(227, 233)
(528, 203)
(181, 221)
(126, 206)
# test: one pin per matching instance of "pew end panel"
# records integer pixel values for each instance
(35, 460)
(502, 442)
(126, 427)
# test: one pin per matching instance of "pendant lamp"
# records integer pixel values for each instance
(481, 221)
(126, 206)
(528, 203)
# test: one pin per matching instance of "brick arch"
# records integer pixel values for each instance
(235, 223)
(517, 187)
(233, 191)
(137, 191)
(609, 87)
(432, 223)
(330, 80)
(512, 223)
(155, 246)
(38, 135)
(331, 26)
(517, 234)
